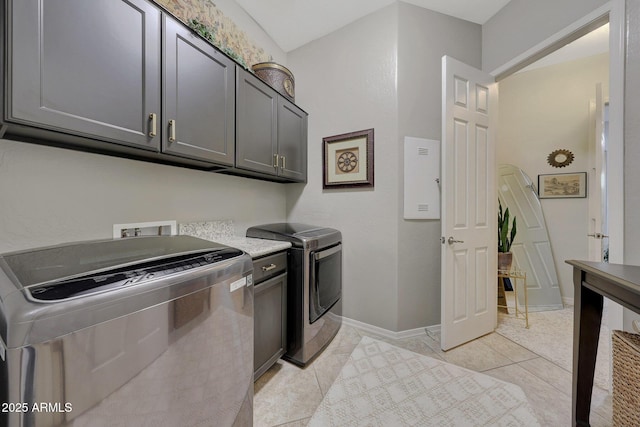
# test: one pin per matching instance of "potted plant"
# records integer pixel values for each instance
(505, 239)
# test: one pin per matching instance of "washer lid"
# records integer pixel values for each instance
(50, 292)
(68, 261)
(130, 275)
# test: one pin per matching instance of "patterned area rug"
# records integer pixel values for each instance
(550, 335)
(383, 385)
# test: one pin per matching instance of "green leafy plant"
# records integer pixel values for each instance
(209, 33)
(505, 239)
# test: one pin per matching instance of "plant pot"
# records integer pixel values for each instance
(505, 259)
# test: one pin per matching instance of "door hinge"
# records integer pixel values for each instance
(598, 236)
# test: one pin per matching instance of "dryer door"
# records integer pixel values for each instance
(325, 280)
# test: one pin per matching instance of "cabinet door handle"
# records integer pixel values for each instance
(268, 267)
(172, 130)
(275, 160)
(153, 129)
(284, 162)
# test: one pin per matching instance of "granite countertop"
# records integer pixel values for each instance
(222, 232)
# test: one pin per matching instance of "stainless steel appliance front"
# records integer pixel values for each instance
(314, 289)
(141, 331)
(325, 280)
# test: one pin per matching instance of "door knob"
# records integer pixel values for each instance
(452, 240)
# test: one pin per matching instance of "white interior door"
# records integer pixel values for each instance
(597, 230)
(469, 204)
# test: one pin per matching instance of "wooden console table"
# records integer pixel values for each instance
(592, 281)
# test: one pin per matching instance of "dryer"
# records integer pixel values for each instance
(314, 288)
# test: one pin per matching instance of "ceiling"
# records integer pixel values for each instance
(293, 23)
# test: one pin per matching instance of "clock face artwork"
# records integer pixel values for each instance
(347, 161)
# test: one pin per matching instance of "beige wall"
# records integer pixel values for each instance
(541, 111)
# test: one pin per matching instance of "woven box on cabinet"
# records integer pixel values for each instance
(626, 379)
(278, 77)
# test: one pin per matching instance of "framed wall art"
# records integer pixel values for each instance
(562, 185)
(348, 160)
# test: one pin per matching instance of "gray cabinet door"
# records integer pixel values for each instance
(199, 97)
(292, 141)
(269, 316)
(89, 68)
(256, 127)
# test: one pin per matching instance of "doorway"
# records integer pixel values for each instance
(614, 13)
(544, 109)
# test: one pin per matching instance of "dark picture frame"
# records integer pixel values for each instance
(562, 185)
(347, 160)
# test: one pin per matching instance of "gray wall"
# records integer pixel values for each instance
(380, 72)
(522, 24)
(52, 195)
(347, 82)
(632, 143)
(424, 37)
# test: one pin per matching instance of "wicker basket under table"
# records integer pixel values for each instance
(626, 379)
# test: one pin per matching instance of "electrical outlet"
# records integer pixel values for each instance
(137, 229)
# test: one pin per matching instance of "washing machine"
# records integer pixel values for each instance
(138, 331)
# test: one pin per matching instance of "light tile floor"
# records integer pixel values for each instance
(287, 396)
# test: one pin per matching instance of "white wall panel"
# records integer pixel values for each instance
(421, 178)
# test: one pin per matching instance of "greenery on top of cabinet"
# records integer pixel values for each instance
(209, 33)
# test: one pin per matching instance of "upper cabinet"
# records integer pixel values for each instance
(86, 68)
(123, 77)
(292, 141)
(257, 125)
(199, 97)
(271, 132)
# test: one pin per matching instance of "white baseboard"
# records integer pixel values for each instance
(409, 333)
(433, 331)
